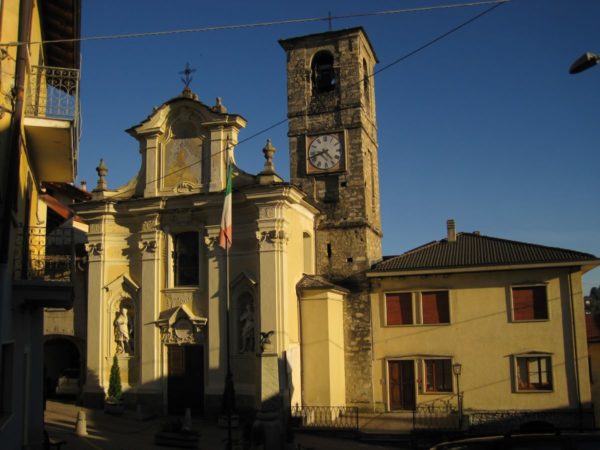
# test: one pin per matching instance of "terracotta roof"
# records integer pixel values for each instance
(317, 282)
(471, 250)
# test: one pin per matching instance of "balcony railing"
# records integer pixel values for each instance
(53, 93)
(44, 256)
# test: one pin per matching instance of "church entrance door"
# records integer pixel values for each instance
(185, 380)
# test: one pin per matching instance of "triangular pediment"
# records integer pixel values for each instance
(123, 284)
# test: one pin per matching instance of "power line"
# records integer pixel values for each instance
(327, 18)
(496, 4)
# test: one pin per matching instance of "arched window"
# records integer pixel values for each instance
(185, 259)
(322, 72)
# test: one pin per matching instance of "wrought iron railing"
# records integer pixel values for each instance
(53, 93)
(440, 414)
(326, 417)
(44, 256)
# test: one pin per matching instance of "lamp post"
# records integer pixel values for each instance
(584, 62)
(456, 369)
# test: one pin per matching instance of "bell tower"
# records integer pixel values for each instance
(333, 145)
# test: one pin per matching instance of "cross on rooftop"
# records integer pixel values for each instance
(187, 72)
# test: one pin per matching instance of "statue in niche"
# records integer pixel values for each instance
(123, 332)
(247, 329)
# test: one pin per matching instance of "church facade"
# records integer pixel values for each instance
(303, 305)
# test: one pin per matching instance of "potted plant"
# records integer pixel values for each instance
(113, 403)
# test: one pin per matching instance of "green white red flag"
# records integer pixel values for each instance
(225, 236)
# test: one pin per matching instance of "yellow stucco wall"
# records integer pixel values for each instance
(482, 337)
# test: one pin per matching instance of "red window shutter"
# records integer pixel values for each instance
(399, 308)
(530, 303)
(436, 307)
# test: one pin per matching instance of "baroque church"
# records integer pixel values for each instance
(157, 282)
(307, 311)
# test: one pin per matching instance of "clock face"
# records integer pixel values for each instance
(325, 152)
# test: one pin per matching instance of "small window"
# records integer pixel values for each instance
(529, 303)
(366, 82)
(438, 375)
(399, 309)
(185, 259)
(436, 308)
(433, 306)
(534, 373)
(323, 73)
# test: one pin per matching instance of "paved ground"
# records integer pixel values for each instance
(126, 432)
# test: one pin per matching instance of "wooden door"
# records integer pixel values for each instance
(185, 381)
(401, 384)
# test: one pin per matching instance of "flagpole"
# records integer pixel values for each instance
(229, 376)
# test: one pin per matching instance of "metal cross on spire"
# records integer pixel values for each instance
(187, 72)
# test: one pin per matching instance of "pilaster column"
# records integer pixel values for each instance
(150, 146)
(216, 328)
(272, 236)
(149, 305)
(93, 390)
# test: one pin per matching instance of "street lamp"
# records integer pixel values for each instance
(584, 62)
(456, 369)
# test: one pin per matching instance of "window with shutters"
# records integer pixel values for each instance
(399, 308)
(529, 303)
(417, 308)
(533, 372)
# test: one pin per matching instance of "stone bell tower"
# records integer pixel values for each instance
(333, 145)
(333, 158)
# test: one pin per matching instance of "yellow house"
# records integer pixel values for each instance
(39, 133)
(499, 322)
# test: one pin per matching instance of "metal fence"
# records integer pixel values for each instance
(326, 417)
(440, 414)
(485, 422)
(44, 256)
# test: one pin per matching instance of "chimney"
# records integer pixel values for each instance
(83, 185)
(451, 230)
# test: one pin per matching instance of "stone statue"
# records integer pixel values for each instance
(121, 326)
(247, 329)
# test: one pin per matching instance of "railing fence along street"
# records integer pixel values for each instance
(326, 417)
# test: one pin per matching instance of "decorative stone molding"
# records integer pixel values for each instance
(94, 248)
(149, 246)
(272, 238)
(185, 187)
(211, 242)
(95, 228)
(149, 225)
(180, 326)
(172, 298)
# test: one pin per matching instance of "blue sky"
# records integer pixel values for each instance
(486, 126)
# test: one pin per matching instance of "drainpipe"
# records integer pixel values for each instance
(575, 352)
(12, 168)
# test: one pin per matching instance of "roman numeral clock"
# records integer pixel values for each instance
(325, 153)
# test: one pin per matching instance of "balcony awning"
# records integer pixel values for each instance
(72, 220)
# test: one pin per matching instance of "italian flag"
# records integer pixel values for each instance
(225, 236)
